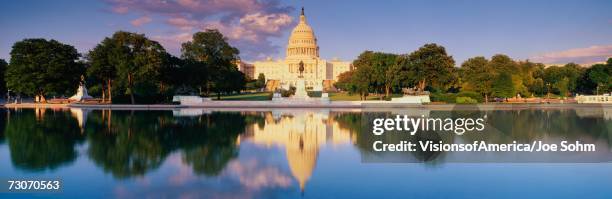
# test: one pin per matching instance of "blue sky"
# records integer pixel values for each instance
(545, 31)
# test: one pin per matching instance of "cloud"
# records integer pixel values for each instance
(586, 55)
(182, 23)
(248, 24)
(120, 9)
(268, 23)
(253, 175)
(141, 21)
(173, 42)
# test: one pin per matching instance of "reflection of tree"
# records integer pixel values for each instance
(529, 125)
(502, 126)
(3, 116)
(139, 141)
(217, 145)
(350, 121)
(42, 144)
(132, 146)
(209, 160)
(361, 124)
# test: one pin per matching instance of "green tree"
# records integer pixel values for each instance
(432, 66)
(42, 67)
(572, 72)
(503, 64)
(526, 73)
(102, 70)
(3, 66)
(381, 63)
(194, 75)
(261, 80)
(503, 86)
(601, 77)
(362, 80)
(170, 77)
(553, 75)
(478, 76)
(563, 80)
(344, 82)
(398, 75)
(531, 74)
(137, 61)
(216, 57)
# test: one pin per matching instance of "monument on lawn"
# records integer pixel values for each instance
(412, 96)
(81, 92)
(300, 87)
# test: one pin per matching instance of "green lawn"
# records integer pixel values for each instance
(247, 97)
(354, 97)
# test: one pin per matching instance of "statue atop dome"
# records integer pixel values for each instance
(302, 42)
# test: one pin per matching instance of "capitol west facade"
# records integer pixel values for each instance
(318, 74)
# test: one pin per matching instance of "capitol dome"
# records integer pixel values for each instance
(302, 42)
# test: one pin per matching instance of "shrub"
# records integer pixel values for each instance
(465, 100)
(474, 95)
(443, 97)
(288, 93)
(314, 93)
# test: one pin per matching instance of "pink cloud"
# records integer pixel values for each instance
(172, 43)
(255, 176)
(184, 173)
(586, 55)
(141, 21)
(268, 23)
(182, 23)
(248, 24)
(120, 9)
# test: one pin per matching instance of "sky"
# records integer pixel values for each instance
(546, 31)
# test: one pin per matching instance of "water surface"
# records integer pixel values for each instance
(293, 153)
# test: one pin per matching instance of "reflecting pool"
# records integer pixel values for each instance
(296, 153)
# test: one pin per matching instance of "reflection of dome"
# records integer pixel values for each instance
(301, 133)
(302, 152)
(302, 42)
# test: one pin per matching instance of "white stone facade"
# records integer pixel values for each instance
(302, 47)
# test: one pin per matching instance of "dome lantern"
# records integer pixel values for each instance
(302, 42)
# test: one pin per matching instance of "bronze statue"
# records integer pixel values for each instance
(301, 69)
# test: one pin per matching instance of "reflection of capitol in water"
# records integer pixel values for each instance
(301, 133)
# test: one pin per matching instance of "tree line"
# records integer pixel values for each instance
(129, 67)
(125, 67)
(430, 68)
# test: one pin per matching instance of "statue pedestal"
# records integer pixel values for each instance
(300, 90)
(81, 94)
(277, 97)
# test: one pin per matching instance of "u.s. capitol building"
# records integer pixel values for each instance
(319, 74)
